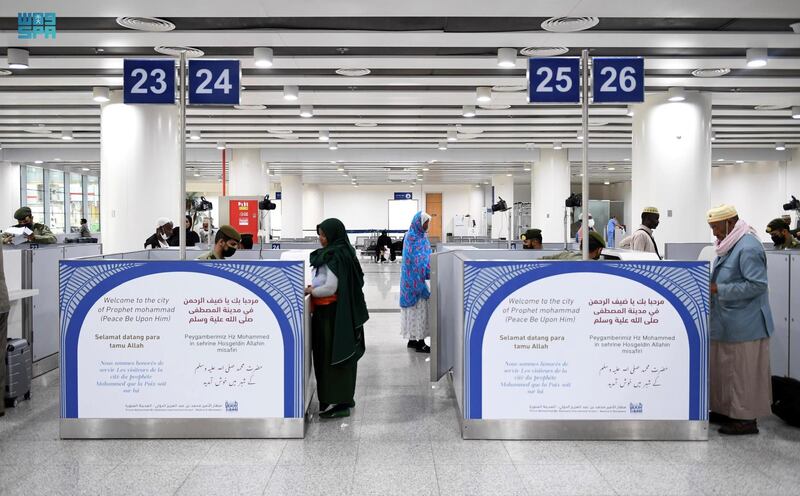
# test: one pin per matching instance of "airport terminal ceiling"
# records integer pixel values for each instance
(389, 85)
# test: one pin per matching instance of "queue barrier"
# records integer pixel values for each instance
(539, 349)
(155, 347)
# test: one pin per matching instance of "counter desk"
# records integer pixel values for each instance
(184, 349)
(540, 349)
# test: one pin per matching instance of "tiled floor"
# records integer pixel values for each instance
(403, 438)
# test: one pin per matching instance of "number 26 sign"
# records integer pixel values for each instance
(618, 79)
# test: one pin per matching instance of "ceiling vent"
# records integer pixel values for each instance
(152, 24)
(177, 50)
(352, 72)
(711, 73)
(569, 24)
(771, 107)
(543, 51)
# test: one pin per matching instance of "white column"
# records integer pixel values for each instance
(313, 211)
(9, 192)
(550, 186)
(792, 181)
(248, 175)
(503, 188)
(291, 207)
(672, 165)
(140, 172)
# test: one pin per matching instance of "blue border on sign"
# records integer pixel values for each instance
(88, 281)
(501, 279)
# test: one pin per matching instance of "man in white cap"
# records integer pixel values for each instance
(642, 238)
(162, 234)
(741, 323)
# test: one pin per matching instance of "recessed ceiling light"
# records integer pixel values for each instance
(366, 124)
(425, 169)
(196, 174)
(18, 58)
(85, 169)
(557, 145)
(795, 112)
(451, 136)
(442, 145)
(543, 51)
(740, 161)
(353, 72)
(579, 135)
(569, 24)
(57, 159)
(612, 168)
(276, 130)
(606, 183)
(468, 110)
(711, 73)
(291, 93)
(262, 57)
(626, 159)
(324, 135)
(176, 51)
(527, 169)
(780, 146)
(713, 135)
(66, 135)
(720, 160)
(676, 94)
(194, 135)
(306, 111)
(756, 57)
(771, 107)
(5, 72)
(630, 111)
(221, 145)
(100, 94)
(333, 145)
(507, 58)
(483, 94)
(250, 107)
(37, 129)
(151, 24)
(468, 129)
(38, 161)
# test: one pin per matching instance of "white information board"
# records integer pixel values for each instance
(401, 213)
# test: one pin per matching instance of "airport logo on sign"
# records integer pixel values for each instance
(231, 406)
(637, 407)
(30, 25)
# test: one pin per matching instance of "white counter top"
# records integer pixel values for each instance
(19, 294)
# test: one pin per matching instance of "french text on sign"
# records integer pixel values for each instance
(149, 81)
(214, 82)
(618, 79)
(554, 80)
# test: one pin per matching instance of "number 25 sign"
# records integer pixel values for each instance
(554, 80)
(614, 80)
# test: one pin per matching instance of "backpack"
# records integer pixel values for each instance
(786, 399)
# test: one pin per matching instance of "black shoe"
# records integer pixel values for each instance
(412, 343)
(338, 411)
(718, 418)
(323, 407)
(739, 427)
(424, 349)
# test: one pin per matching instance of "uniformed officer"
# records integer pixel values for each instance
(596, 245)
(225, 243)
(532, 239)
(780, 232)
(41, 233)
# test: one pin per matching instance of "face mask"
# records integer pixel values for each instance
(228, 252)
(591, 223)
(778, 240)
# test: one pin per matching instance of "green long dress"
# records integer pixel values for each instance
(337, 329)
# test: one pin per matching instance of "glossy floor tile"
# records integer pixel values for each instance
(403, 437)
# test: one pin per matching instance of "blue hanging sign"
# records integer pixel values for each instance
(277, 195)
(214, 82)
(554, 80)
(149, 81)
(618, 79)
(403, 196)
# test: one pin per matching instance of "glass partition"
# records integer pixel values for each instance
(34, 192)
(57, 213)
(75, 201)
(93, 203)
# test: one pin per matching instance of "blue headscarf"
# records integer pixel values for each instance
(416, 263)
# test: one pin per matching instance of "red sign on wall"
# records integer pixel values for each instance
(244, 216)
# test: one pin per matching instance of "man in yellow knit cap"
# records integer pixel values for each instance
(741, 323)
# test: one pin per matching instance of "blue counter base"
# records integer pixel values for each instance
(274, 428)
(586, 430)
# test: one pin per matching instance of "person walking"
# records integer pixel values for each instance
(339, 312)
(741, 324)
(414, 291)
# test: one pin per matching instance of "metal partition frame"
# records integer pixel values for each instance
(779, 277)
(794, 316)
(524, 429)
(683, 251)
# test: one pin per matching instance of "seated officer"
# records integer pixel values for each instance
(780, 232)
(532, 239)
(596, 245)
(226, 241)
(41, 233)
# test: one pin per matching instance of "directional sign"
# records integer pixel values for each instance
(214, 82)
(618, 79)
(149, 81)
(554, 80)
(403, 196)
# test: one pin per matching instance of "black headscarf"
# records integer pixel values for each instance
(351, 309)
